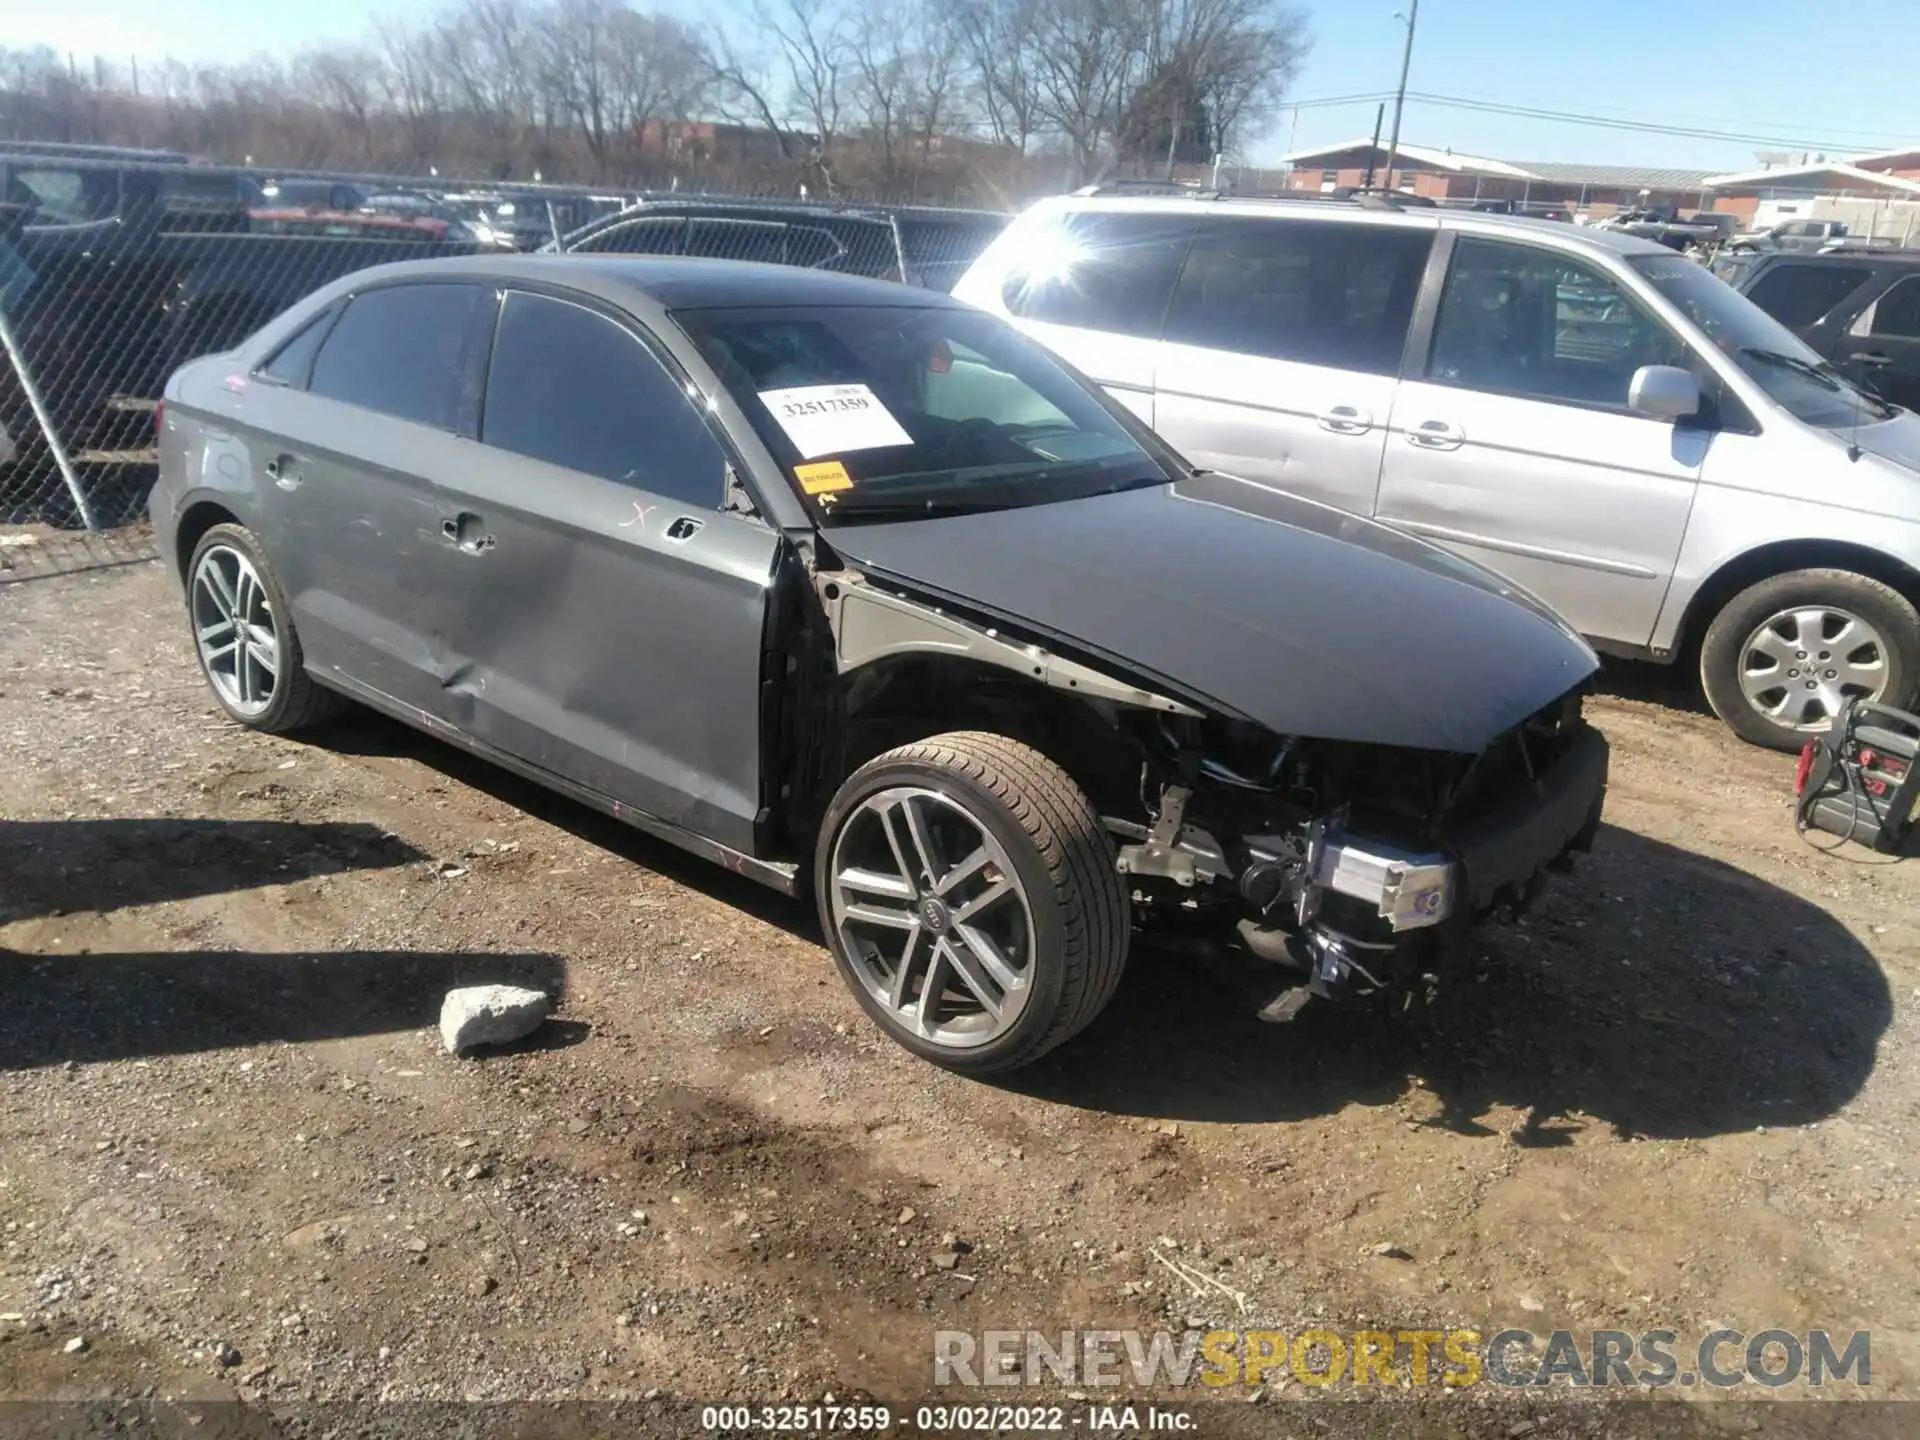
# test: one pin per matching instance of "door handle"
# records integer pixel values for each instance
(1872, 358)
(464, 530)
(1436, 435)
(683, 529)
(280, 470)
(1345, 420)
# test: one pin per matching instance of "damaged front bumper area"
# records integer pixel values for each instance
(1350, 913)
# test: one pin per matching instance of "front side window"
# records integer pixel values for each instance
(64, 196)
(1791, 373)
(1798, 295)
(904, 411)
(1313, 291)
(1536, 324)
(571, 387)
(1100, 270)
(1895, 315)
(402, 351)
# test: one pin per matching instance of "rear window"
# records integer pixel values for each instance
(402, 351)
(1099, 270)
(1800, 295)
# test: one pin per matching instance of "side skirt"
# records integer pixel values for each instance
(780, 875)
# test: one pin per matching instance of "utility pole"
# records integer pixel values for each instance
(1379, 113)
(1412, 17)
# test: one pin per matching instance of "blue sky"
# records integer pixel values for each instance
(1837, 76)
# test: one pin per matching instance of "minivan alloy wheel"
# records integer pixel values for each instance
(234, 626)
(1802, 666)
(930, 909)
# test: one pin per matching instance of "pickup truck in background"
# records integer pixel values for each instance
(1859, 308)
(115, 270)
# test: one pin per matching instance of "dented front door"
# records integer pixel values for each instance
(610, 624)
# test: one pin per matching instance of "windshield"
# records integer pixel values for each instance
(900, 411)
(1791, 373)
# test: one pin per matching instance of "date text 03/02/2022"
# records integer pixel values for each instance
(944, 1419)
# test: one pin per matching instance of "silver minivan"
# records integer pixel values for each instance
(1591, 414)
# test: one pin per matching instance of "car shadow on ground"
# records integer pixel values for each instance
(1675, 686)
(70, 865)
(99, 1007)
(1654, 992)
(366, 732)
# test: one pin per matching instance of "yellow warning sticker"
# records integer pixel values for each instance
(823, 478)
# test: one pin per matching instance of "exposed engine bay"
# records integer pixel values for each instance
(1357, 867)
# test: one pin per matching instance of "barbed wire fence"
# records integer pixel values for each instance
(114, 272)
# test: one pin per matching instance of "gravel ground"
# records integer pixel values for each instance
(235, 1164)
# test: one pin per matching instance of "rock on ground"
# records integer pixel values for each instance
(490, 1015)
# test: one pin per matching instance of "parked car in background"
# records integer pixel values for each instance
(1797, 235)
(1859, 308)
(1705, 230)
(1585, 411)
(867, 593)
(921, 245)
(118, 267)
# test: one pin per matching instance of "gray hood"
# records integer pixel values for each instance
(1303, 618)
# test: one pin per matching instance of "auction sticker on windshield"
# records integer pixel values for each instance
(830, 419)
(825, 478)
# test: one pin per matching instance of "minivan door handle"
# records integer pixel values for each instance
(1872, 358)
(1436, 435)
(1345, 420)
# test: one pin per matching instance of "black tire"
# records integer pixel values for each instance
(297, 701)
(1066, 869)
(1721, 651)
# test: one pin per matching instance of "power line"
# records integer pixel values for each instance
(1647, 127)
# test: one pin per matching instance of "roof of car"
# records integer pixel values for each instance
(645, 283)
(1311, 208)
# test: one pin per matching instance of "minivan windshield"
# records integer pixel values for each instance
(1793, 374)
(899, 411)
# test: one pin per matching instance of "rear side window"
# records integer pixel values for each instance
(1311, 291)
(1798, 295)
(402, 351)
(294, 360)
(572, 388)
(1100, 270)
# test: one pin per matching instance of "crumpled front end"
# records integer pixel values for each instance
(1360, 869)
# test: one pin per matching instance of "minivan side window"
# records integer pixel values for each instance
(1317, 292)
(1798, 295)
(1537, 324)
(402, 350)
(571, 387)
(1100, 270)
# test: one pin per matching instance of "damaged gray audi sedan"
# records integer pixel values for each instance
(851, 587)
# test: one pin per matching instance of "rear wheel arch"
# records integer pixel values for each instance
(195, 521)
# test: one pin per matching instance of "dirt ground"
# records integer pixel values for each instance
(235, 1163)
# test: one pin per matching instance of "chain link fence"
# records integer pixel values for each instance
(115, 269)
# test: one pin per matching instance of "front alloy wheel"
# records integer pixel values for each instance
(927, 906)
(1786, 656)
(1802, 667)
(970, 897)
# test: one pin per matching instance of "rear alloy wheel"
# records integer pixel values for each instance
(244, 638)
(971, 901)
(1788, 655)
